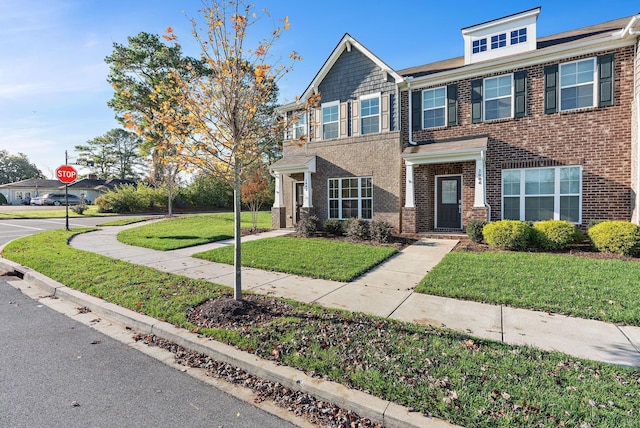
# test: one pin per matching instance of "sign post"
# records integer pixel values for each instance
(66, 174)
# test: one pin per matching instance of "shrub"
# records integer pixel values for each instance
(357, 228)
(80, 208)
(333, 227)
(508, 234)
(380, 231)
(474, 230)
(593, 222)
(619, 237)
(3, 200)
(306, 226)
(556, 234)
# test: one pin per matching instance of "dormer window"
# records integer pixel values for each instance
(499, 41)
(479, 46)
(519, 36)
(509, 35)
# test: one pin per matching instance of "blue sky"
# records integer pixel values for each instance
(53, 89)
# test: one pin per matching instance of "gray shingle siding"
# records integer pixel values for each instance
(354, 75)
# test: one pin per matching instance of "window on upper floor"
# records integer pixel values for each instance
(370, 114)
(579, 84)
(519, 36)
(434, 103)
(498, 97)
(499, 41)
(479, 45)
(350, 198)
(330, 120)
(300, 126)
(535, 194)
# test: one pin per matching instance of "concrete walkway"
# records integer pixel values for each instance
(387, 291)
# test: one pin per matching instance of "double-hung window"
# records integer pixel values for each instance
(300, 126)
(350, 198)
(498, 96)
(577, 81)
(370, 114)
(535, 194)
(330, 120)
(434, 102)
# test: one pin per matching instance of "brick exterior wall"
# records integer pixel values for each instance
(374, 155)
(598, 139)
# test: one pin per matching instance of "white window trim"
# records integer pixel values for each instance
(362, 116)
(518, 42)
(337, 121)
(301, 123)
(485, 99)
(340, 199)
(556, 191)
(486, 45)
(594, 101)
(435, 108)
(498, 40)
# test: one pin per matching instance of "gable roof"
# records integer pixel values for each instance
(85, 183)
(346, 43)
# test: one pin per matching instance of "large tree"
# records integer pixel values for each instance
(16, 168)
(139, 74)
(115, 154)
(224, 108)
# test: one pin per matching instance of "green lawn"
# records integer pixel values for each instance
(126, 221)
(187, 231)
(314, 257)
(605, 290)
(443, 373)
(92, 211)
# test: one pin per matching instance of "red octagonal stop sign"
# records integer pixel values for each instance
(66, 174)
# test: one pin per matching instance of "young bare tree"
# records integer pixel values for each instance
(222, 107)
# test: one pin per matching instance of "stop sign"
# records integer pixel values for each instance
(66, 174)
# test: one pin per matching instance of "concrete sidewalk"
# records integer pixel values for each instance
(387, 291)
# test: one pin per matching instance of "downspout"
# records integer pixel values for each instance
(483, 156)
(408, 80)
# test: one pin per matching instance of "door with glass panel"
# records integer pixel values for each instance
(449, 202)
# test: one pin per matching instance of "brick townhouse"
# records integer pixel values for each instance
(520, 127)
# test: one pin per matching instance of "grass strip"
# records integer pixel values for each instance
(438, 372)
(596, 289)
(126, 221)
(313, 257)
(187, 231)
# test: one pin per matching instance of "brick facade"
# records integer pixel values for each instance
(598, 139)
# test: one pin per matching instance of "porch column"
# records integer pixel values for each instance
(409, 193)
(307, 192)
(480, 182)
(278, 201)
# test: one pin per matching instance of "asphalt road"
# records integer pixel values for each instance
(57, 372)
(16, 228)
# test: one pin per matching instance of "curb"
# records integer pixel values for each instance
(391, 415)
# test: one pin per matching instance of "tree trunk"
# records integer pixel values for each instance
(237, 293)
(169, 201)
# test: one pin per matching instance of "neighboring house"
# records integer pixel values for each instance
(520, 127)
(87, 188)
